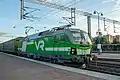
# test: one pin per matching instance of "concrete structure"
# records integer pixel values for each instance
(13, 68)
(109, 38)
(20, 68)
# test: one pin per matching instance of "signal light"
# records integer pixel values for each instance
(73, 51)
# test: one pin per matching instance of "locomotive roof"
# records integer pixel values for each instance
(77, 30)
(53, 31)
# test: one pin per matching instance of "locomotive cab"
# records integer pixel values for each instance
(80, 37)
(82, 42)
(81, 47)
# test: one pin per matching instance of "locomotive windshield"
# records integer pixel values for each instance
(81, 37)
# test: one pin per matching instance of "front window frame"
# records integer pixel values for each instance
(81, 37)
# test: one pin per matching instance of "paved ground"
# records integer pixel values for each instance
(12, 68)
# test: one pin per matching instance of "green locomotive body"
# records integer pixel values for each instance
(59, 44)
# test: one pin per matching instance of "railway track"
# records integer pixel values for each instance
(105, 67)
(108, 59)
(100, 65)
(108, 66)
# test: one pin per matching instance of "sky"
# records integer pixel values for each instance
(11, 25)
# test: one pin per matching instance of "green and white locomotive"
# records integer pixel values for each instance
(63, 44)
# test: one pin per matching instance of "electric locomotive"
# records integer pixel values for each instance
(63, 44)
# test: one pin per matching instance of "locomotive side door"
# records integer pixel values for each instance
(62, 44)
(58, 45)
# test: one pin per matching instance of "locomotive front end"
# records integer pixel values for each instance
(81, 47)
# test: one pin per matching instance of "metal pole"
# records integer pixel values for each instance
(98, 25)
(21, 9)
(99, 33)
(114, 26)
(98, 28)
(73, 20)
(89, 25)
(104, 25)
(74, 17)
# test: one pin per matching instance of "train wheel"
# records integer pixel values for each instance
(54, 60)
(41, 58)
(21, 55)
(34, 56)
(25, 55)
(37, 57)
(18, 54)
(73, 60)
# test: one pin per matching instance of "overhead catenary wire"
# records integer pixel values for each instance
(39, 17)
(81, 12)
(110, 12)
(64, 8)
(53, 12)
(93, 5)
(67, 6)
(106, 13)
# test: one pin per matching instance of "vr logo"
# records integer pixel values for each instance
(40, 45)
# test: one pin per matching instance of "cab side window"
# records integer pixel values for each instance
(66, 38)
(62, 37)
(56, 38)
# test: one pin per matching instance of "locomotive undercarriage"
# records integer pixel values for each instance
(82, 60)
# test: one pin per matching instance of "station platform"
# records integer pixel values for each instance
(108, 55)
(17, 68)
